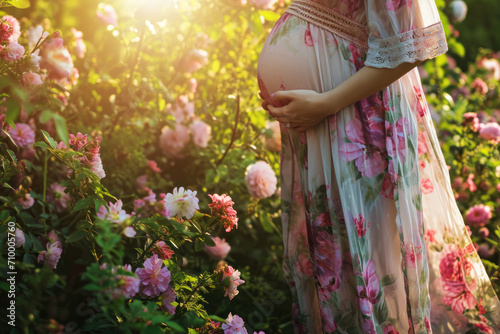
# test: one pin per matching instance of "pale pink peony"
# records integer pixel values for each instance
(263, 4)
(13, 51)
(231, 280)
(201, 132)
(26, 202)
(222, 207)
(154, 166)
(426, 186)
(154, 277)
(56, 59)
(128, 285)
(167, 298)
(260, 180)
(220, 250)
(106, 13)
(273, 143)
(181, 203)
(173, 142)
(182, 109)
(23, 135)
(58, 197)
(163, 251)
(490, 131)
(194, 60)
(10, 29)
(478, 215)
(97, 167)
(115, 213)
(52, 255)
(19, 238)
(31, 79)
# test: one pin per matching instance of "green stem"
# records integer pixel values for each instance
(235, 127)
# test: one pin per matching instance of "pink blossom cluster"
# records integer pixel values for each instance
(107, 14)
(22, 134)
(57, 196)
(480, 86)
(155, 281)
(230, 278)
(149, 205)
(10, 31)
(471, 120)
(455, 269)
(118, 216)
(25, 200)
(173, 141)
(79, 45)
(492, 66)
(128, 285)
(234, 325)
(222, 208)
(490, 131)
(53, 253)
(163, 251)
(56, 59)
(261, 180)
(220, 250)
(91, 158)
(181, 203)
(479, 215)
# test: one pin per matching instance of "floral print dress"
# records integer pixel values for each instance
(373, 239)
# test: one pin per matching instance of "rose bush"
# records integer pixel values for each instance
(160, 195)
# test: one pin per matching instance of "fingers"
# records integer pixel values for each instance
(261, 96)
(283, 95)
(277, 111)
(265, 105)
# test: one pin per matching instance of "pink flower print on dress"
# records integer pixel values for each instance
(421, 106)
(387, 189)
(304, 265)
(426, 186)
(308, 40)
(328, 260)
(368, 163)
(360, 225)
(389, 329)
(422, 145)
(394, 5)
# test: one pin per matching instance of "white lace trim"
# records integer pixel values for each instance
(407, 47)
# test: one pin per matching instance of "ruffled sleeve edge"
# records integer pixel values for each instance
(408, 47)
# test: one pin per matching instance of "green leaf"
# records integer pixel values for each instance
(49, 139)
(198, 245)
(45, 116)
(81, 204)
(61, 129)
(41, 144)
(265, 220)
(209, 242)
(269, 15)
(78, 235)
(19, 3)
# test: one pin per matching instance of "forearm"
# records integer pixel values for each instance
(364, 83)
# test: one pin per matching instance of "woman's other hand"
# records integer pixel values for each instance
(303, 109)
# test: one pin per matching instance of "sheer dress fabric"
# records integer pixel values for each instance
(373, 239)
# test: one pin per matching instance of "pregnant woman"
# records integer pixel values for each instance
(373, 239)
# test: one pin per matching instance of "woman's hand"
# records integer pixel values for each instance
(303, 109)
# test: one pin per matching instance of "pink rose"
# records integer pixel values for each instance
(492, 65)
(13, 51)
(220, 250)
(174, 141)
(470, 119)
(56, 59)
(31, 79)
(10, 30)
(426, 186)
(58, 197)
(201, 133)
(19, 238)
(490, 131)
(480, 86)
(23, 135)
(478, 215)
(260, 180)
(154, 166)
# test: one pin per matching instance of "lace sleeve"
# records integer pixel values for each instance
(408, 47)
(403, 31)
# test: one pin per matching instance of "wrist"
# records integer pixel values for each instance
(327, 103)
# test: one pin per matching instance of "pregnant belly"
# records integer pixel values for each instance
(298, 55)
